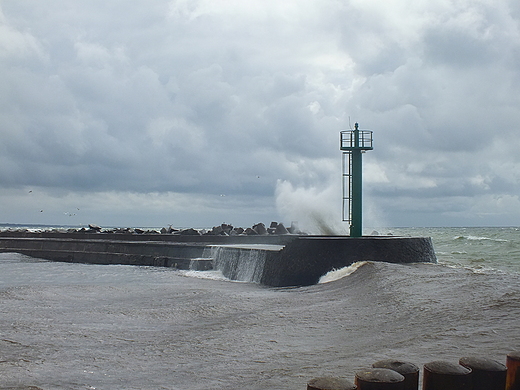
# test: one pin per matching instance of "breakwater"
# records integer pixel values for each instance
(270, 259)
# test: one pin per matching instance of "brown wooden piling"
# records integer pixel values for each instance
(330, 383)
(379, 379)
(486, 374)
(513, 371)
(442, 375)
(409, 370)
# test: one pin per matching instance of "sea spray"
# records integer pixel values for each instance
(316, 210)
(324, 227)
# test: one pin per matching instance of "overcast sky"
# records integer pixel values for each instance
(199, 112)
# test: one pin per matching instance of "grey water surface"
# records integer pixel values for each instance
(77, 326)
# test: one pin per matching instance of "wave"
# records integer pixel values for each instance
(211, 275)
(478, 238)
(330, 276)
(341, 272)
(474, 267)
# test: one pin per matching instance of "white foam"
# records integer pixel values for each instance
(262, 247)
(212, 274)
(340, 273)
(480, 238)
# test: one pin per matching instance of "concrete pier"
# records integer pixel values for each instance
(272, 260)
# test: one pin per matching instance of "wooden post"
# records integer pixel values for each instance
(379, 379)
(409, 370)
(441, 375)
(513, 371)
(486, 374)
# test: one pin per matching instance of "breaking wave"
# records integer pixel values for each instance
(477, 238)
(341, 272)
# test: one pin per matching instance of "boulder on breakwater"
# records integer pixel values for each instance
(257, 229)
(221, 230)
(224, 229)
(275, 228)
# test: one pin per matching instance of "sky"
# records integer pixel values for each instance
(193, 113)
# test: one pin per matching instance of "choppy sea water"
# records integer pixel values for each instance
(79, 326)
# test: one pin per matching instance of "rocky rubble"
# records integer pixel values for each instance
(229, 230)
(221, 230)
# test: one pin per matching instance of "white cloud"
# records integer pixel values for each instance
(165, 99)
(17, 45)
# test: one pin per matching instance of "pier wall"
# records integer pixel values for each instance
(272, 260)
(304, 261)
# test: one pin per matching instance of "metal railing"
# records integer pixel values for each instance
(348, 140)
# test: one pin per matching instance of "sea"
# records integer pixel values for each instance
(84, 326)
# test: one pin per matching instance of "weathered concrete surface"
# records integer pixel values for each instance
(301, 260)
(305, 260)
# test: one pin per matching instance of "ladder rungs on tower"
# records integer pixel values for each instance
(353, 143)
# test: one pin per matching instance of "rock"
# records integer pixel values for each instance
(226, 228)
(280, 229)
(168, 230)
(94, 227)
(250, 232)
(216, 230)
(189, 232)
(260, 229)
(272, 228)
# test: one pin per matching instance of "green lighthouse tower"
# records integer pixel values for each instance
(353, 143)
